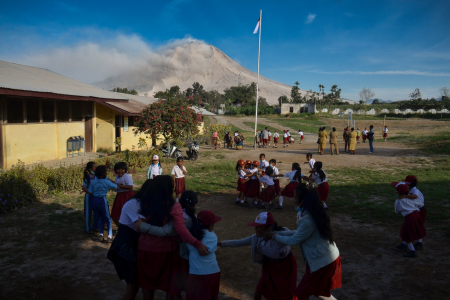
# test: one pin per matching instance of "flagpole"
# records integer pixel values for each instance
(257, 80)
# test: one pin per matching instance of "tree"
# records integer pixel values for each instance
(124, 91)
(376, 101)
(283, 99)
(197, 89)
(262, 101)
(296, 97)
(445, 92)
(366, 94)
(335, 94)
(322, 91)
(171, 119)
(416, 94)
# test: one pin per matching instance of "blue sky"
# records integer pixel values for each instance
(392, 46)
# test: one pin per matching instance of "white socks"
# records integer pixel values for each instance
(110, 236)
(324, 205)
(176, 199)
(237, 199)
(327, 298)
(419, 241)
(280, 199)
(410, 247)
(404, 243)
(242, 201)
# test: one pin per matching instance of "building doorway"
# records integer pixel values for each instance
(88, 142)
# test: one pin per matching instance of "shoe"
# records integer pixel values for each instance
(410, 254)
(271, 205)
(370, 152)
(98, 239)
(402, 247)
(237, 202)
(418, 246)
(255, 205)
(262, 206)
(244, 204)
(279, 207)
(108, 240)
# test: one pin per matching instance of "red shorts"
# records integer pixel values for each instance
(241, 186)
(269, 138)
(252, 188)
(412, 228)
(323, 191)
(301, 137)
(119, 202)
(322, 281)
(275, 140)
(265, 140)
(268, 194)
(180, 185)
(364, 137)
(385, 135)
(277, 186)
(285, 140)
(203, 287)
(289, 189)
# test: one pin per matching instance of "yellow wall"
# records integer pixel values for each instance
(104, 128)
(37, 142)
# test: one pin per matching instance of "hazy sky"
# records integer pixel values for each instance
(392, 46)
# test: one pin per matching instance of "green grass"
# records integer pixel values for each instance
(262, 126)
(436, 143)
(212, 177)
(207, 121)
(311, 126)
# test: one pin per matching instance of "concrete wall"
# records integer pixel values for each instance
(297, 108)
(372, 111)
(104, 127)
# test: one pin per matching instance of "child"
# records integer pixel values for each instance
(295, 177)
(279, 267)
(276, 181)
(252, 190)
(263, 164)
(292, 140)
(98, 189)
(319, 178)
(88, 177)
(285, 139)
(288, 136)
(241, 184)
(124, 192)
(414, 194)
(358, 134)
(268, 193)
(204, 274)
(270, 135)
(276, 136)
(364, 134)
(412, 228)
(155, 168)
(178, 172)
(385, 133)
(311, 161)
(300, 133)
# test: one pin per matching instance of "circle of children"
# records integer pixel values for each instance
(162, 243)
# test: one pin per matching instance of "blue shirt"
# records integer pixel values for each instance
(85, 182)
(100, 187)
(204, 265)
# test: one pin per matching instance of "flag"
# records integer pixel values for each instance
(257, 26)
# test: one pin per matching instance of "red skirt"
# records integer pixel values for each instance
(165, 271)
(285, 140)
(364, 137)
(119, 202)
(275, 140)
(423, 214)
(301, 137)
(385, 135)
(322, 281)
(412, 228)
(180, 185)
(203, 287)
(277, 186)
(278, 278)
(241, 185)
(268, 194)
(289, 189)
(269, 138)
(252, 188)
(323, 190)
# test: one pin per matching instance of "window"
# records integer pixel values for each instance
(131, 121)
(87, 108)
(77, 111)
(62, 111)
(48, 110)
(14, 110)
(305, 109)
(119, 121)
(33, 111)
(291, 109)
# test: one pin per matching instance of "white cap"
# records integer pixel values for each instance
(155, 157)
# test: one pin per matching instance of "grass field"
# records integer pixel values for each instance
(311, 126)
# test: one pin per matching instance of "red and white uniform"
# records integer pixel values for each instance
(413, 228)
(276, 136)
(322, 186)
(276, 181)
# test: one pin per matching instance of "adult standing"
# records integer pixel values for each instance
(352, 141)
(346, 136)
(323, 140)
(319, 251)
(370, 137)
(334, 142)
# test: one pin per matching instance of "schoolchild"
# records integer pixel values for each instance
(385, 133)
(263, 163)
(295, 177)
(276, 181)
(364, 134)
(319, 180)
(268, 193)
(412, 228)
(123, 194)
(279, 267)
(276, 136)
(285, 139)
(358, 134)
(204, 274)
(178, 172)
(241, 184)
(300, 133)
(288, 136)
(311, 161)
(253, 184)
(270, 135)
(88, 176)
(155, 168)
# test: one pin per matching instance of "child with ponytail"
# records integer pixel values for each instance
(88, 177)
(241, 184)
(295, 177)
(319, 179)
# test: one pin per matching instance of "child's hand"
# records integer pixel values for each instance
(203, 250)
(138, 224)
(219, 244)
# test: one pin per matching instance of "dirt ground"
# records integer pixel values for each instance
(45, 255)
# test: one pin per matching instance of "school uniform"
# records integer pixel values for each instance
(385, 132)
(413, 227)
(265, 136)
(180, 182)
(263, 164)
(203, 282)
(276, 136)
(154, 170)
(124, 248)
(423, 210)
(122, 195)
(253, 184)
(311, 163)
(279, 267)
(269, 192)
(285, 138)
(288, 136)
(322, 186)
(270, 135)
(88, 210)
(300, 133)
(241, 184)
(276, 181)
(288, 191)
(364, 135)
(99, 189)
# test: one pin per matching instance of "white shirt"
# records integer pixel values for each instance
(288, 133)
(130, 213)
(270, 133)
(275, 170)
(385, 130)
(242, 174)
(365, 132)
(415, 191)
(156, 170)
(236, 134)
(266, 179)
(285, 135)
(300, 133)
(275, 135)
(272, 249)
(291, 175)
(124, 180)
(176, 170)
(311, 163)
(317, 179)
(263, 164)
(255, 172)
(406, 206)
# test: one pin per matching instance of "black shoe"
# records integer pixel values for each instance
(410, 254)
(108, 240)
(98, 239)
(279, 207)
(244, 204)
(237, 202)
(262, 206)
(402, 247)
(255, 205)
(271, 205)
(90, 232)
(418, 246)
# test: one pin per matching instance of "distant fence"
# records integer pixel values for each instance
(373, 111)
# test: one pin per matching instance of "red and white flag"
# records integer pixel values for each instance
(257, 26)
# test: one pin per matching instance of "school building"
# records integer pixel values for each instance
(298, 108)
(41, 110)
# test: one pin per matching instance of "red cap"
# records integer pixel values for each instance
(256, 163)
(241, 162)
(248, 162)
(263, 219)
(410, 179)
(207, 217)
(402, 188)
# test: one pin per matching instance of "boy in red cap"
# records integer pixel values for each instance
(412, 228)
(204, 274)
(279, 267)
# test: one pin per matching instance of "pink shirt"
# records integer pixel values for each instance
(153, 243)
